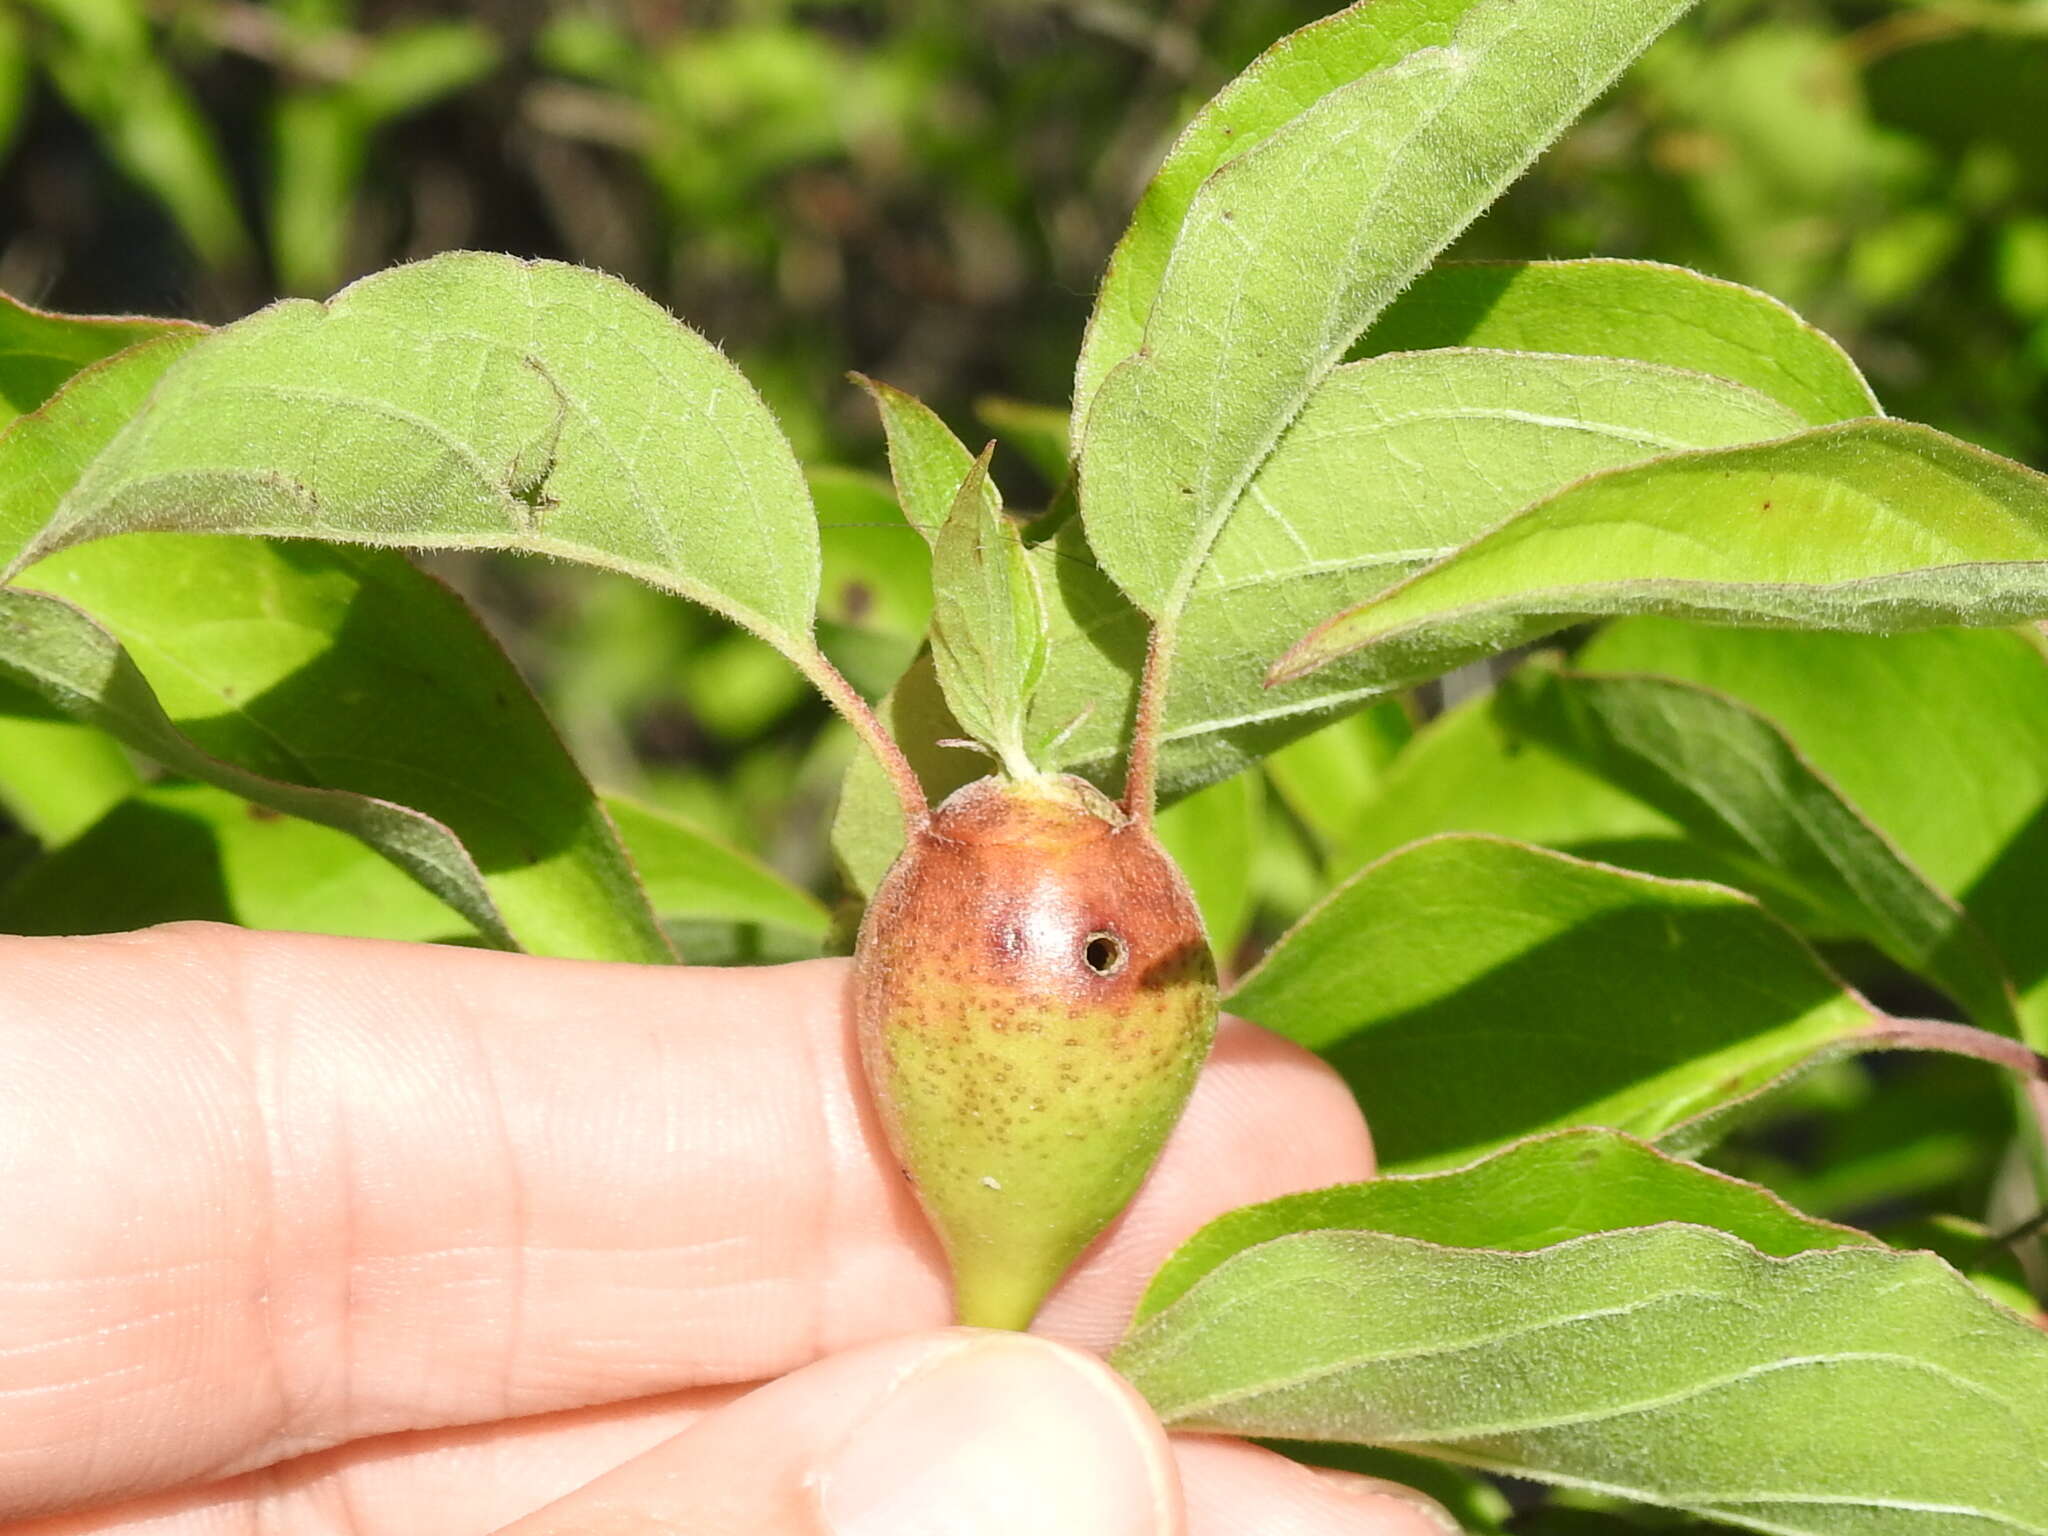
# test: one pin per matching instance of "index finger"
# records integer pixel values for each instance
(266, 1193)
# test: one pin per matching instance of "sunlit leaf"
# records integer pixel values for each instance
(57, 777)
(40, 351)
(1733, 780)
(1939, 737)
(181, 851)
(1473, 990)
(988, 622)
(1292, 248)
(1871, 526)
(1632, 309)
(475, 402)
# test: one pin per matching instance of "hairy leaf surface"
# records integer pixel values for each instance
(1290, 249)
(1847, 1391)
(1549, 1189)
(477, 402)
(1645, 310)
(1870, 526)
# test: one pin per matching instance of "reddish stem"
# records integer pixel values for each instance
(1141, 771)
(1963, 1040)
(854, 709)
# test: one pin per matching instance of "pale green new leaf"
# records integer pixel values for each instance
(1732, 779)
(1473, 991)
(1283, 82)
(478, 402)
(1843, 1392)
(1872, 526)
(1633, 309)
(988, 622)
(927, 462)
(1290, 250)
(1394, 460)
(1548, 1189)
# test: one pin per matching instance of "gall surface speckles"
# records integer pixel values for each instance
(1035, 994)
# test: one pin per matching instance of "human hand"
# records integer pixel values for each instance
(329, 1236)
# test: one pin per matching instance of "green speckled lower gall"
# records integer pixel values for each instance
(1035, 995)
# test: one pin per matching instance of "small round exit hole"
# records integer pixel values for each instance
(1104, 953)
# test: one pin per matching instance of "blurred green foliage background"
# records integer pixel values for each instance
(926, 192)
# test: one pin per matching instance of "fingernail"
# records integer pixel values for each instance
(1008, 1435)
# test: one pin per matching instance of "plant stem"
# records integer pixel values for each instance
(1141, 771)
(842, 696)
(2028, 1064)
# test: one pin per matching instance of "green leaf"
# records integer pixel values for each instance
(988, 622)
(319, 149)
(1630, 309)
(77, 668)
(928, 463)
(1731, 778)
(1283, 82)
(315, 665)
(476, 402)
(1037, 432)
(16, 79)
(1290, 250)
(296, 676)
(1327, 779)
(1848, 1390)
(1213, 835)
(1967, 805)
(1394, 462)
(39, 351)
(43, 453)
(692, 876)
(1471, 770)
(181, 851)
(58, 653)
(57, 777)
(1871, 526)
(1473, 991)
(1536, 1193)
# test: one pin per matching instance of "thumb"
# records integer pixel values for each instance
(936, 1433)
